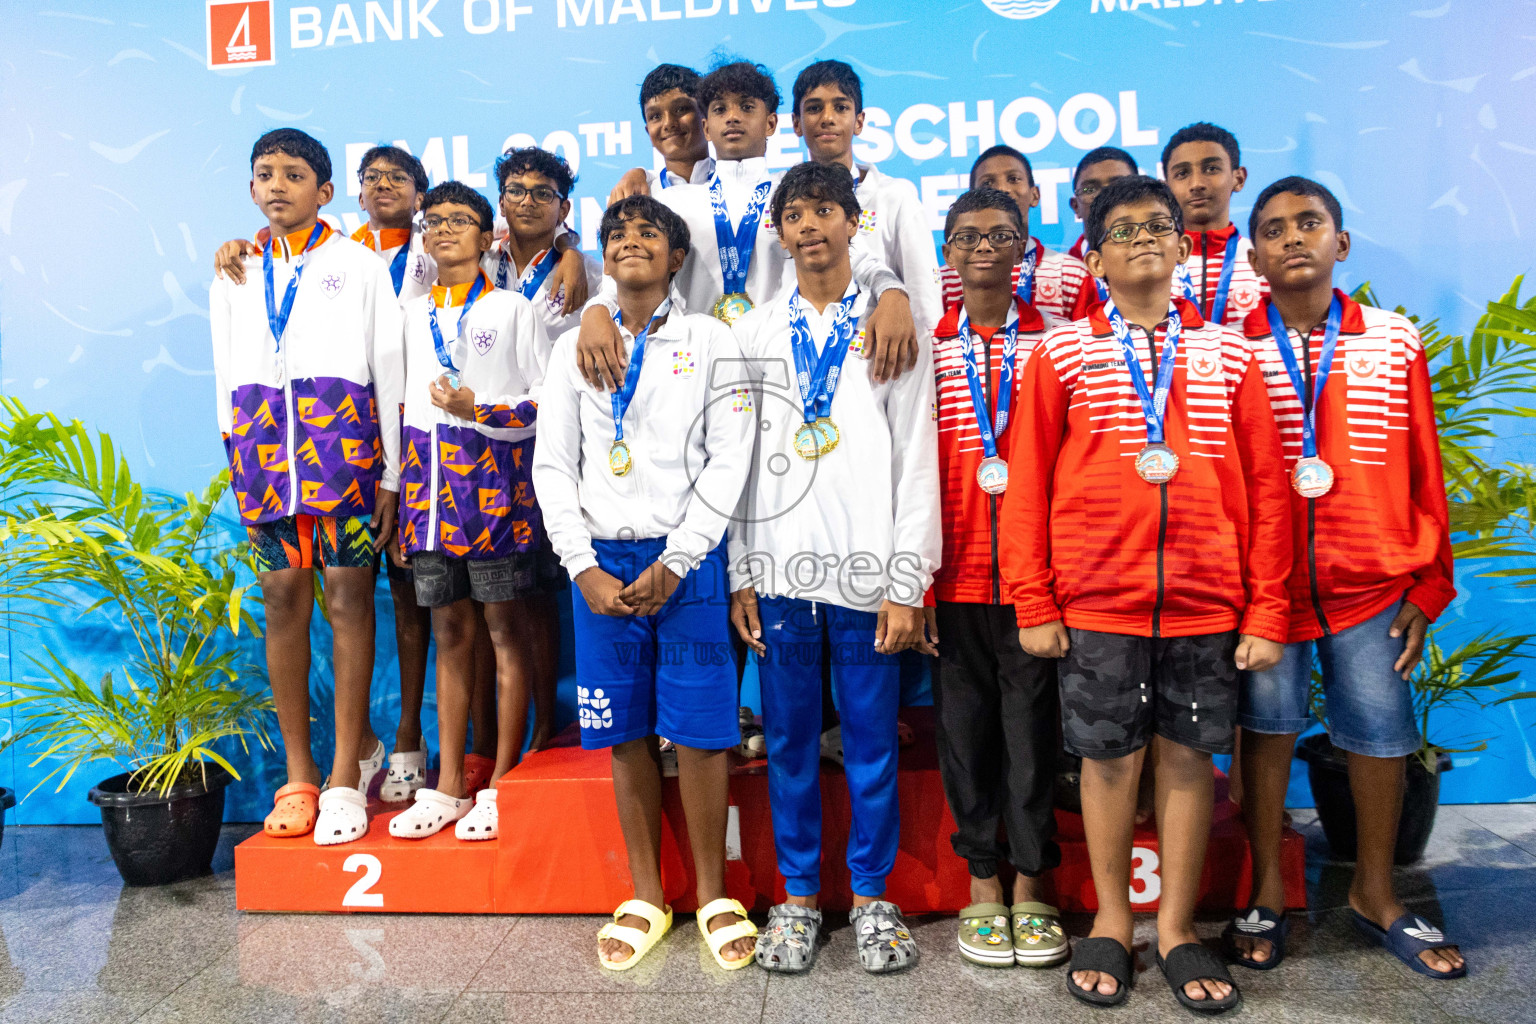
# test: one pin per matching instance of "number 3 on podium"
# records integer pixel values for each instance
(358, 895)
(1143, 871)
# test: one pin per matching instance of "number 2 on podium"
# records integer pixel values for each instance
(358, 895)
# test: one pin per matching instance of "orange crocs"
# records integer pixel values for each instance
(477, 773)
(293, 811)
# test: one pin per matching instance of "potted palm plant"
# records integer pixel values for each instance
(1493, 517)
(78, 535)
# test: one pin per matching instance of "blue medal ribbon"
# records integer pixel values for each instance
(277, 319)
(397, 265)
(622, 397)
(991, 431)
(1026, 286)
(1154, 403)
(1098, 282)
(443, 355)
(1219, 300)
(817, 377)
(1293, 369)
(736, 247)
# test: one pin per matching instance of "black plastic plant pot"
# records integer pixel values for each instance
(1328, 772)
(158, 839)
(7, 801)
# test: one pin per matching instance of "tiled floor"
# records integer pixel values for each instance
(80, 947)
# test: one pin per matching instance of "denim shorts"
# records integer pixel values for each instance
(1369, 707)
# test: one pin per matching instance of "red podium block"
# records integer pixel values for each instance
(561, 850)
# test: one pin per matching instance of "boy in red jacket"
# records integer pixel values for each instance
(1350, 391)
(1146, 543)
(1204, 167)
(995, 704)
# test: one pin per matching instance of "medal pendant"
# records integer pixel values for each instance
(992, 475)
(619, 461)
(1312, 477)
(827, 435)
(807, 442)
(732, 307)
(1156, 463)
(453, 379)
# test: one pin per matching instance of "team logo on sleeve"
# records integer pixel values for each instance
(332, 284)
(482, 338)
(239, 34)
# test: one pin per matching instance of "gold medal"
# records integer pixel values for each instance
(732, 307)
(1156, 463)
(808, 442)
(619, 460)
(827, 435)
(1312, 477)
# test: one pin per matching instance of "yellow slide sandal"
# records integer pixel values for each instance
(721, 937)
(637, 940)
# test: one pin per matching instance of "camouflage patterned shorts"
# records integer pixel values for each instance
(1117, 690)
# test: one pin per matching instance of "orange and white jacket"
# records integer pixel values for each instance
(1383, 531)
(1087, 541)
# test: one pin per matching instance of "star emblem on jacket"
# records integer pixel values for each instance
(483, 338)
(1203, 365)
(331, 284)
(1425, 932)
(1254, 923)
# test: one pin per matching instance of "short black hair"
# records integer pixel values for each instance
(742, 78)
(663, 78)
(1001, 150)
(1297, 186)
(1123, 192)
(401, 159)
(1203, 131)
(643, 207)
(1102, 155)
(982, 199)
(294, 143)
(458, 192)
(538, 161)
(830, 72)
(810, 180)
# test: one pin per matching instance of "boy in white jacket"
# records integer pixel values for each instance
(837, 538)
(469, 528)
(308, 378)
(636, 488)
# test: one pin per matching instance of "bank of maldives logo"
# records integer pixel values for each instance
(1020, 10)
(240, 34)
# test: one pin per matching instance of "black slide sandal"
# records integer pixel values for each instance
(1193, 962)
(1106, 956)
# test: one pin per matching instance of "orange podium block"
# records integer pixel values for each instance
(561, 850)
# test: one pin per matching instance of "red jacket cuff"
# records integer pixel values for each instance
(1036, 613)
(1268, 627)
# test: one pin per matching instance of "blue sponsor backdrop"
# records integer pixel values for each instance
(124, 162)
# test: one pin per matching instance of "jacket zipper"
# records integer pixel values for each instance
(1205, 262)
(293, 461)
(997, 586)
(1162, 522)
(1317, 598)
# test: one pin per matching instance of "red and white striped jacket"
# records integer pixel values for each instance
(1086, 540)
(1247, 290)
(1383, 531)
(969, 570)
(1063, 290)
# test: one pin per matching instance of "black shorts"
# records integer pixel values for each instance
(1117, 690)
(441, 579)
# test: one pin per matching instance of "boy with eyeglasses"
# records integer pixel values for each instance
(994, 704)
(1097, 168)
(1203, 167)
(308, 374)
(1052, 282)
(1152, 558)
(1351, 391)
(474, 362)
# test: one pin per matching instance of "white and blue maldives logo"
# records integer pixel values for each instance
(1020, 10)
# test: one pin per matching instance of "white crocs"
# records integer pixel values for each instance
(429, 815)
(479, 823)
(407, 773)
(369, 768)
(343, 816)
